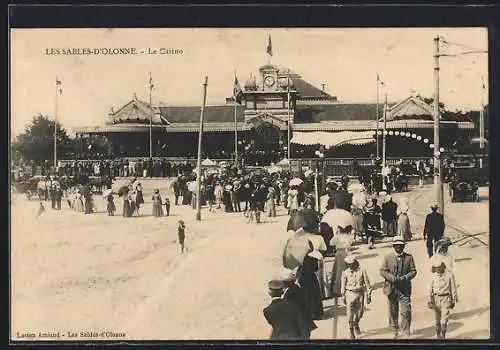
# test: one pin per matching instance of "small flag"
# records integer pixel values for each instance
(59, 83)
(151, 85)
(380, 81)
(269, 47)
(237, 92)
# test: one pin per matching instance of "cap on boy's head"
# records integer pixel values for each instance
(181, 222)
(434, 207)
(275, 285)
(349, 260)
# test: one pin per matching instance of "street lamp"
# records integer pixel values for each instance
(321, 156)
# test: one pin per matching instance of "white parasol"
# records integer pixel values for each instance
(208, 162)
(338, 218)
(273, 169)
(296, 182)
(284, 161)
(296, 248)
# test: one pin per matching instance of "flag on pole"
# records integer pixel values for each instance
(380, 80)
(151, 85)
(269, 47)
(59, 83)
(237, 92)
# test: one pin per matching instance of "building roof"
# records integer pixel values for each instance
(336, 111)
(212, 114)
(137, 111)
(411, 107)
(307, 90)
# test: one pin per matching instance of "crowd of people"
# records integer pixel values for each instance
(297, 294)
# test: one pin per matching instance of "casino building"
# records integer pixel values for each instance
(317, 119)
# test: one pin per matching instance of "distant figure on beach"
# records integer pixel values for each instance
(181, 234)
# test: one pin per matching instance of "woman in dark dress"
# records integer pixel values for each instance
(228, 206)
(308, 280)
(139, 197)
(127, 210)
(88, 204)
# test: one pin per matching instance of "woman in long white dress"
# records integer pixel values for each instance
(79, 208)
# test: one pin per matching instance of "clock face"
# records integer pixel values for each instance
(269, 81)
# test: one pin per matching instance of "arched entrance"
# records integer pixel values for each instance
(265, 144)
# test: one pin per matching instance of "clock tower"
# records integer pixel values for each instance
(269, 75)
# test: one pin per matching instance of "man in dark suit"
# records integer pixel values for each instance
(389, 216)
(433, 229)
(398, 269)
(284, 316)
(295, 294)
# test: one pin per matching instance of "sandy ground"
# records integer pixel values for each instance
(75, 273)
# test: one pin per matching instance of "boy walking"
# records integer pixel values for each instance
(442, 296)
(355, 284)
(167, 206)
(181, 234)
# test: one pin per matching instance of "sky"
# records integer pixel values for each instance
(346, 60)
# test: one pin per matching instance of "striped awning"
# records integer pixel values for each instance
(333, 139)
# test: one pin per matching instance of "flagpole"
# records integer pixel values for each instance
(288, 126)
(55, 129)
(384, 134)
(150, 118)
(198, 173)
(235, 128)
(376, 112)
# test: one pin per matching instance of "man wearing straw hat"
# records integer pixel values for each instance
(398, 269)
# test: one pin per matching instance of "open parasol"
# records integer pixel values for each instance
(123, 190)
(296, 248)
(302, 218)
(338, 218)
(208, 162)
(295, 182)
(273, 169)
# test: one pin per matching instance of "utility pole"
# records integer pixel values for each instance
(198, 174)
(438, 176)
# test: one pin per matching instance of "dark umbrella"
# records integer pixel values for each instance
(302, 218)
(123, 190)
